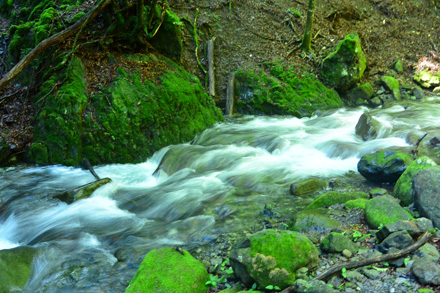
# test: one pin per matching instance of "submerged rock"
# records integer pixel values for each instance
(169, 270)
(345, 66)
(15, 268)
(307, 186)
(271, 257)
(402, 189)
(314, 220)
(384, 166)
(426, 190)
(384, 210)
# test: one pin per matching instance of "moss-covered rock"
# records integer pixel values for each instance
(359, 203)
(168, 40)
(337, 242)
(402, 189)
(344, 67)
(315, 220)
(307, 186)
(281, 91)
(367, 127)
(334, 197)
(124, 122)
(364, 92)
(392, 85)
(15, 268)
(82, 192)
(384, 210)
(271, 257)
(167, 270)
(426, 79)
(384, 166)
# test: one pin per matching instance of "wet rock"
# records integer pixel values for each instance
(402, 189)
(15, 268)
(169, 270)
(337, 242)
(363, 92)
(393, 86)
(334, 197)
(426, 271)
(426, 79)
(388, 229)
(384, 210)
(312, 286)
(427, 193)
(398, 240)
(314, 220)
(345, 66)
(418, 93)
(429, 251)
(384, 166)
(272, 257)
(307, 186)
(367, 127)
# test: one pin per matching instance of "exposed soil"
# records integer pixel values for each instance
(247, 33)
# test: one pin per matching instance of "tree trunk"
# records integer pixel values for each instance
(306, 44)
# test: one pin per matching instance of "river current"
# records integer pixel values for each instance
(184, 194)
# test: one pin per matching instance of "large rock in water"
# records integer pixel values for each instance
(280, 90)
(367, 127)
(344, 67)
(384, 210)
(15, 268)
(168, 270)
(272, 257)
(384, 166)
(402, 189)
(426, 190)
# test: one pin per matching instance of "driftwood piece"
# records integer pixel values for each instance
(90, 168)
(357, 264)
(230, 95)
(211, 76)
(46, 43)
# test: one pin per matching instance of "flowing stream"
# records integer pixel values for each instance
(184, 194)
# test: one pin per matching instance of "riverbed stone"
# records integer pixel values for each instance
(168, 270)
(428, 250)
(388, 229)
(384, 166)
(314, 220)
(344, 67)
(426, 271)
(334, 197)
(272, 257)
(426, 79)
(398, 66)
(337, 242)
(367, 127)
(399, 240)
(384, 210)
(15, 268)
(316, 286)
(392, 85)
(427, 193)
(363, 92)
(402, 189)
(307, 186)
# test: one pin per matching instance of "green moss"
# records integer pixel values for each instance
(281, 92)
(356, 203)
(337, 242)
(280, 254)
(166, 270)
(77, 17)
(392, 85)
(402, 189)
(384, 210)
(334, 197)
(15, 268)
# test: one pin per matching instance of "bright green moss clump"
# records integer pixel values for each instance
(359, 203)
(384, 210)
(334, 197)
(167, 270)
(15, 268)
(281, 91)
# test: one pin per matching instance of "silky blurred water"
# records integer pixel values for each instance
(186, 193)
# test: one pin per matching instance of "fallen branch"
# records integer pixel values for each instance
(46, 43)
(357, 264)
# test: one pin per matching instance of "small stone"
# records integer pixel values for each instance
(398, 66)
(418, 93)
(378, 192)
(347, 253)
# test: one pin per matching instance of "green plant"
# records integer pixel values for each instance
(272, 287)
(357, 236)
(405, 262)
(344, 272)
(380, 227)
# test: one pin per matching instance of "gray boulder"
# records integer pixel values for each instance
(426, 271)
(367, 127)
(337, 242)
(409, 226)
(426, 191)
(398, 240)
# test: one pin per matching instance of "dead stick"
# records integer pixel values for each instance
(211, 76)
(381, 258)
(46, 43)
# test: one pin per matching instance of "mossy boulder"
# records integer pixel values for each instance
(362, 93)
(167, 270)
(15, 268)
(334, 197)
(272, 257)
(384, 210)
(315, 220)
(337, 242)
(384, 166)
(392, 85)
(344, 67)
(359, 203)
(307, 186)
(279, 90)
(124, 122)
(367, 127)
(427, 79)
(402, 189)
(426, 191)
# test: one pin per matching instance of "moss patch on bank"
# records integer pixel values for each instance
(279, 90)
(125, 122)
